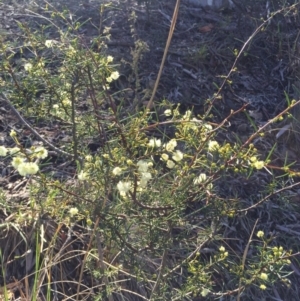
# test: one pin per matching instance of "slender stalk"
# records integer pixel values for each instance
(172, 27)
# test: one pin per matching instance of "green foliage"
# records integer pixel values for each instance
(151, 197)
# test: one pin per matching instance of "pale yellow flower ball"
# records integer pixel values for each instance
(41, 152)
(262, 287)
(200, 179)
(146, 176)
(142, 166)
(177, 156)
(204, 292)
(109, 59)
(73, 211)
(168, 112)
(3, 151)
(260, 234)
(16, 161)
(213, 146)
(264, 276)
(154, 142)
(28, 66)
(117, 171)
(222, 249)
(27, 168)
(165, 157)
(124, 187)
(259, 164)
(49, 43)
(170, 164)
(82, 176)
(115, 75)
(171, 145)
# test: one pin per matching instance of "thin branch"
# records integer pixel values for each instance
(32, 130)
(268, 196)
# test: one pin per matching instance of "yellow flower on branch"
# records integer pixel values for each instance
(258, 164)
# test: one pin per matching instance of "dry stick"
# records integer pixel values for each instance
(101, 263)
(260, 129)
(83, 265)
(172, 27)
(267, 197)
(162, 266)
(244, 260)
(73, 118)
(239, 55)
(198, 249)
(32, 130)
(85, 258)
(269, 122)
(233, 66)
(92, 93)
